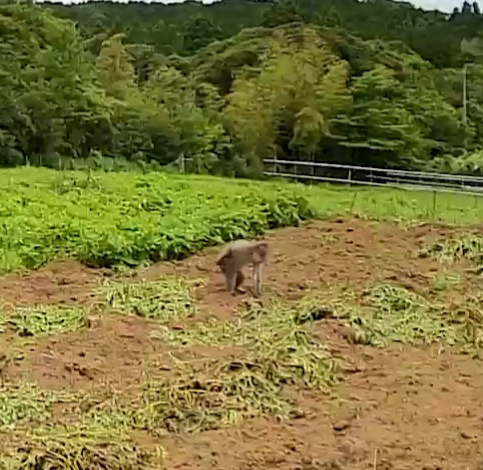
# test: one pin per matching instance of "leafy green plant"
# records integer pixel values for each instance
(113, 219)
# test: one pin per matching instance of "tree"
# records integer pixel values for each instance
(52, 104)
(466, 9)
(285, 11)
(115, 67)
(199, 32)
(379, 131)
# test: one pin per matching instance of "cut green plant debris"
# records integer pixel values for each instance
(327, 239)
(44, 320)
(25, 404)
(392, 313)
(392, 299)
(442, 281)
(277, 352)
(270, 335)
(163, 300)
(71, 454)
(215, 395)
(469, 247)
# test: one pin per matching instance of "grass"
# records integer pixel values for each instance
(163, 300)
(393, 204)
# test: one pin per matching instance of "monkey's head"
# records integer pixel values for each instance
(261, 252)
(221, 263)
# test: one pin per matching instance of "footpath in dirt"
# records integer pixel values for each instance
(405, 407)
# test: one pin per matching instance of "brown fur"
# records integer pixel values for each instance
(238, 254)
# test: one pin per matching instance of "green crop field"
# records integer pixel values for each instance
(108, 219)
(357, 293)
(111, 219)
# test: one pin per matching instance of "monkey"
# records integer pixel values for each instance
(238, 254)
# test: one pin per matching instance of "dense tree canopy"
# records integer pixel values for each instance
(181, 28)
(226, 85)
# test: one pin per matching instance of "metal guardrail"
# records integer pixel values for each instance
(379, 177)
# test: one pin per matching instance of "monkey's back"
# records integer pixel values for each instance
(244, 252)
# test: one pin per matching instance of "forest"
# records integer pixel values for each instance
(226, 85)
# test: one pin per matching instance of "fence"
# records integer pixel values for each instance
(368, 176)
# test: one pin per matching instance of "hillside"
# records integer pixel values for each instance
(288, 88)
(185, 27)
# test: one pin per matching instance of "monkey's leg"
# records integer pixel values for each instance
(230, 277)
(257, 279)
(239, 281)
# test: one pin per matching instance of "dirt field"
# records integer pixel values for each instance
(397, 407)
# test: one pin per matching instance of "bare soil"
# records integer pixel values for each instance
(407, 407)
(412, 408)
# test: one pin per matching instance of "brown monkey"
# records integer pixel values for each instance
(238, 254)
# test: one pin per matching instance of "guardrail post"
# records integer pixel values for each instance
(353, 201)
(434, 203)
